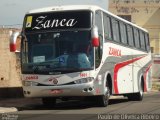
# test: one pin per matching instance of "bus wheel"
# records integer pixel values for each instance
(103, 100)
(49, 102)
(137, 96)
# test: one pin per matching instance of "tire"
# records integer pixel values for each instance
(103, 100)
(137, 96)
(49, 102)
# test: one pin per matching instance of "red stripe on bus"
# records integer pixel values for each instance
(145, 77)
(118, 67)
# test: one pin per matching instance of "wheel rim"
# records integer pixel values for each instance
(107, 91)
(106, 96)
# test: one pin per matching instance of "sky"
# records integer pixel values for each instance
(12, 11)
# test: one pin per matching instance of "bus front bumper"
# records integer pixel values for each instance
(86, 89)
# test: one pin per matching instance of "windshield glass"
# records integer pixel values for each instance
(64, 51)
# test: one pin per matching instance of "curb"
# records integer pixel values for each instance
(8, 109)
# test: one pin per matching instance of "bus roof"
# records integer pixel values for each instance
(65, 7)
(81, 7)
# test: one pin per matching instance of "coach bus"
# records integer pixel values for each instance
(82, 51)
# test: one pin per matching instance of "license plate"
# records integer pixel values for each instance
(56, 91)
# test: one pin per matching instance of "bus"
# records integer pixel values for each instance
(82, 51)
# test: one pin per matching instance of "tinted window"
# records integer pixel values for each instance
(147, 41)
(115, 30)
(123, 33)
(136, 38)
(107, 27)
(98, 22)
(142, 41)
(130, 35)
(98, 51)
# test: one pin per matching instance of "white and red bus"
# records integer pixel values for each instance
(83, 51)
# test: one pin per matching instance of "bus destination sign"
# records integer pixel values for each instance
(57, 20)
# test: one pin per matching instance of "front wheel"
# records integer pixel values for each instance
(103, 100)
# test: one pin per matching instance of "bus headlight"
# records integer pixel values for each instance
(29, 83)
(84, 80)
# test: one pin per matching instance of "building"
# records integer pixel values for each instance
(10, 80)
(145, 13)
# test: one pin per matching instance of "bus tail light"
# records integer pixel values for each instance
(13, 40)
(95, 37)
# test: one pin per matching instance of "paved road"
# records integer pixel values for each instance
(32, 109)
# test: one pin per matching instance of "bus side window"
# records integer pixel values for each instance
(143, 46)
(136, 36)
(147, 41)
(107, 27)
(123, 33)
(98, 23)
(115, 30)
(130, 35)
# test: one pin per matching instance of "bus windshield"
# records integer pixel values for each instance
(63, 51)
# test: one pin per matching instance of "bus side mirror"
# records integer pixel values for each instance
(13, 41)
(95, 37)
